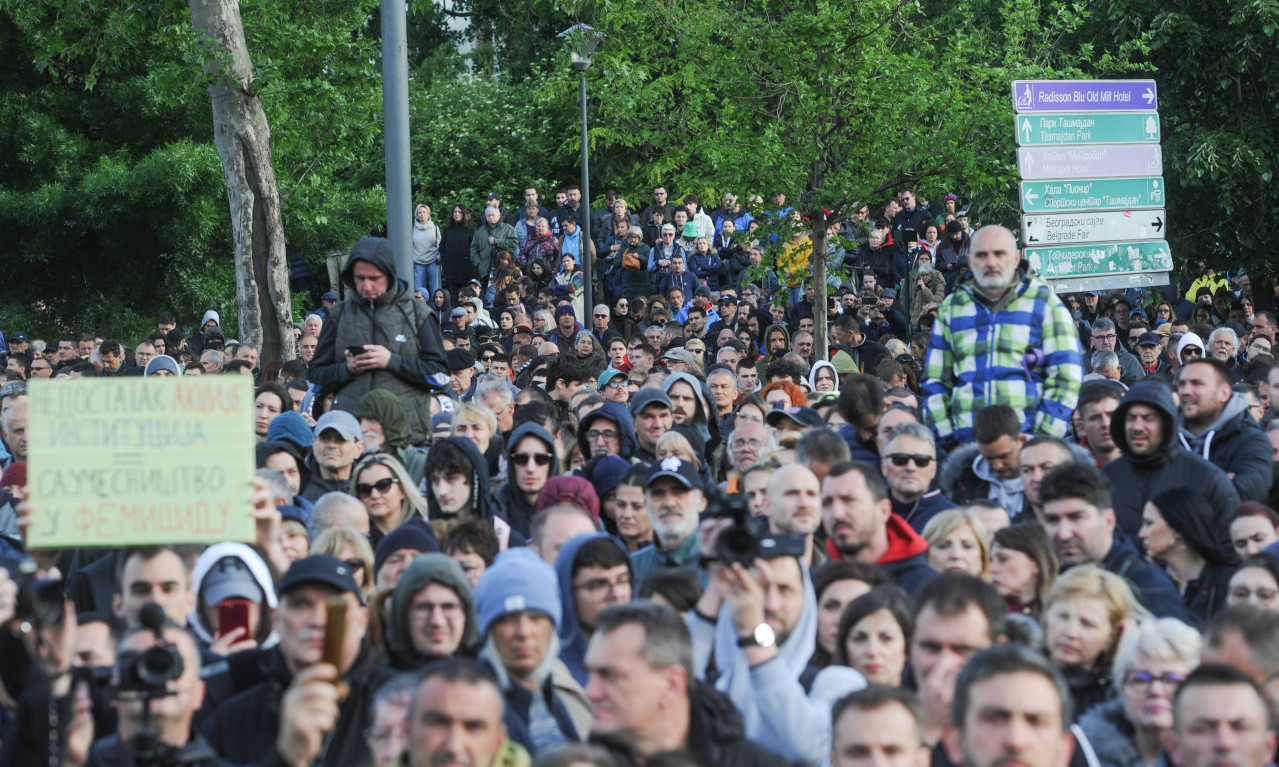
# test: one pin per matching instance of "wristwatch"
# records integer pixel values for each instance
(762, 636)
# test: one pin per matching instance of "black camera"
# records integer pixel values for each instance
(149, 671)
(748, 539)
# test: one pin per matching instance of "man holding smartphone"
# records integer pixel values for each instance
(381, 338)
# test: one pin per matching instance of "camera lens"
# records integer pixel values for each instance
(158, 665)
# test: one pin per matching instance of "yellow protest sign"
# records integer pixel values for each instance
(130, 461)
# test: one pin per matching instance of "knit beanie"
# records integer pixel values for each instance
(162, 362)
(517, 580)
(414, 534)
(569, 489)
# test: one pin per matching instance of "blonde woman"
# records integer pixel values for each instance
(958, 542)
(1086, 614)
(389, 496)
(426, 251)
(354, 551)
(479, 425)
(672, 443)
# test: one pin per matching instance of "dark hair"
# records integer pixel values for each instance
(886, 597)
(539, 412)
(1031, 540)
(1048, 439)
(110, 346)
(878, 696)
(838, 570)
(821, 446)
(146, 554)
(1096, 391)
(602, 552)
(465, 223)
(293, 370)
(235, 366)
(783, 368)
(1001, 660)
(677, 585)
(1224, 373)
(445, 458)
(1256, 626)
(951, 594)
(874, 480)
(458, 669)
(860, 396)
(995, 421)
(1255, 509)
(1220, 674)
(1076, 480)
(278, 389)
(566, 370)
(475, 536)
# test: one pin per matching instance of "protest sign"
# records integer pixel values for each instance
(134, 461)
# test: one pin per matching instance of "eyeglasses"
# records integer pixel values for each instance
(487, 357)
(1142, 680)
(601, 316)
(598, 585)
(355, 564)
(382, 486)
(754, 444)
(522, 459)
(901, 459)
(1192, 351)
(617, 382)
(596, 434)
(1110, 337)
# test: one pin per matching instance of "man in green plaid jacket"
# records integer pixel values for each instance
(1002, 336)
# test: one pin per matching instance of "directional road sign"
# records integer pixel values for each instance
(1088, 128)
(1091, 194)
(1089, 161)
(1063, 228)
(1084, 95)
(1100, 259)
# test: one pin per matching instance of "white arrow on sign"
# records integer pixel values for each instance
(1087, 227)
(1031, 197)
(1149, 96)
(1025, 130)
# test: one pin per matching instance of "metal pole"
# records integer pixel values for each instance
(588, 305)
(395, 109)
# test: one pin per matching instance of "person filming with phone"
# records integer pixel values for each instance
(318, 682)
(380, 338)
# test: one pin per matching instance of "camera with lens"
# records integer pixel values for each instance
(41, 601)
(149, 671)
(747, 539)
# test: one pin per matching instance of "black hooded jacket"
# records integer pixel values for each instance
(1137, 479)
(482, 505)
(1236, 445)
(510, 499)
(716, 735)
(407, 327)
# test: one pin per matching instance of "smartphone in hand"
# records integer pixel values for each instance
(234, 614)
(355, 351)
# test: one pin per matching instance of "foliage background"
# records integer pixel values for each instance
(113, 208)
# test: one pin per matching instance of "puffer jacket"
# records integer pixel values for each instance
(1107, 733)
(408, 328)
(1236, 445)
(1137, 479)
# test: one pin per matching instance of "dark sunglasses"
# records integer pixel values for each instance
(488, 357)
(1192, 351)
(522, 459)
(356, 565)
(901, 459)
(382, 486)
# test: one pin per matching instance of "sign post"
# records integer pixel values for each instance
(1092, 193)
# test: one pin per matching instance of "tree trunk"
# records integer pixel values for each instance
(817, 267)
(243, 139)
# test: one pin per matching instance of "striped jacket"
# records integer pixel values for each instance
(1022, 351)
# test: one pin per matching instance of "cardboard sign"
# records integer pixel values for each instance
(134, 461)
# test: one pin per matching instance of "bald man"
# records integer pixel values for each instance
(1001, 336)
(793, 505)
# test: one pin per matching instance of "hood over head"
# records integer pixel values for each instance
(385, 408)
(1157, 395)
(572, 639)
(256, 567)
(620, 416)
(425, 570)
(531, 429)
(376, 251)
(482, 505)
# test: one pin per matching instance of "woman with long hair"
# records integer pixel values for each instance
(389, 495)
(569, 279)
(958, 542)
(455, 249)
(1023, 567)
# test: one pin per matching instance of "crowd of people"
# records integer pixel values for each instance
(987, 526)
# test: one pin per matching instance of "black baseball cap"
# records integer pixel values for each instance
(804, 416)
(322, 569)
(677, 469)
